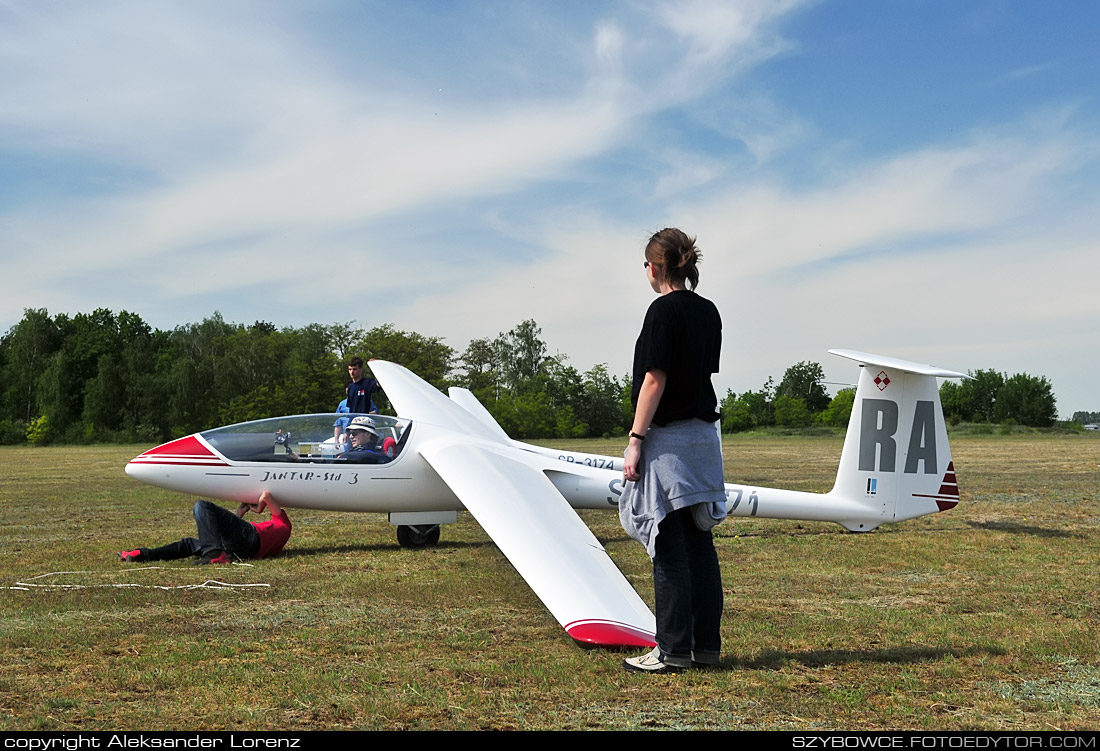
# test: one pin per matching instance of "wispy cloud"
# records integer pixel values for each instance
(1026, 72)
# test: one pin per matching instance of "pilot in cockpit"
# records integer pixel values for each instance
(363, 438)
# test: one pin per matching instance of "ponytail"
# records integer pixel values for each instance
(676, 255)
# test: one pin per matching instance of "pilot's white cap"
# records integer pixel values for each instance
(362, 423)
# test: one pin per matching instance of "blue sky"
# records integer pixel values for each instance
(915, 179)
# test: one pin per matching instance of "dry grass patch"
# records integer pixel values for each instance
(983, 617)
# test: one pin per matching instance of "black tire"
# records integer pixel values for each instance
(420, 536)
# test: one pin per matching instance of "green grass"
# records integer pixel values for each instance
(983, 617)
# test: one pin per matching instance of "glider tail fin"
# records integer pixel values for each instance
(896, 457)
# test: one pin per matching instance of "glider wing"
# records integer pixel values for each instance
(564, 564)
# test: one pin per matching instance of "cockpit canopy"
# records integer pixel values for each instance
(303, 438)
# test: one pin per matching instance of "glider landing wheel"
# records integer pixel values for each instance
(419, 536)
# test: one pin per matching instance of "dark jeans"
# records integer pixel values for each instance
(219, 529)
(687, 589)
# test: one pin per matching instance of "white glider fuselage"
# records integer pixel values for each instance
(892, 446)
(409, 484)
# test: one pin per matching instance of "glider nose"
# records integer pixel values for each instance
(182, 452)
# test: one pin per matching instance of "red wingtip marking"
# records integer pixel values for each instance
(609, 634)
(947, 505)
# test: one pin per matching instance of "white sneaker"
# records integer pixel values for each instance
(650, 662)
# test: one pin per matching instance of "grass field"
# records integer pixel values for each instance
(984, 617)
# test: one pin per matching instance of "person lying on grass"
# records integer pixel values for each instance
(224, 536)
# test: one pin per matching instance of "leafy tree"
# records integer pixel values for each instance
(626, 404)
(522, 386)
(11, 432)
(566, 424)
(1086, 418)
(803, 381)
(138, 364)
(1028, 400)
(104, 397)
(193, 386)
(297, 373)
(426, 356)
(839, 410)
(751, 409)
(525, 414)
(761, 403)
(735, 413)
(342, 337)
(24, 352)
(949, 401)
(791, 412)
(600, 405)
(561, 383)
(85, 339)
(976, 397)
(38, 430)
(481, 369)
(522, 355)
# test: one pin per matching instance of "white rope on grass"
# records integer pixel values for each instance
(29, 586)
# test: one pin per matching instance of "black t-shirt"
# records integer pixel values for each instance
(681, 335)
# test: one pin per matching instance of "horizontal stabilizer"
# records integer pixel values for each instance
(882, 361)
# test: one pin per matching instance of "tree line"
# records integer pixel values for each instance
(992, 397)
(103, 376)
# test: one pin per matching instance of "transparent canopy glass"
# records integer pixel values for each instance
(307, 438)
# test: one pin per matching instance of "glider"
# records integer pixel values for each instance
(449, 454)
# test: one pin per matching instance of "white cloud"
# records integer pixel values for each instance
(263, 173)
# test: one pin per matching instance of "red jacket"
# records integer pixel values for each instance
(273, 534)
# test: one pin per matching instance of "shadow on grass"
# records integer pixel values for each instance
(1022, 529)
(822, 657)
(379, 548)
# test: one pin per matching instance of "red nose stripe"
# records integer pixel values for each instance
(186, 450)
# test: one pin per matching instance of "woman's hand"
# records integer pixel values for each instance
(632, 461)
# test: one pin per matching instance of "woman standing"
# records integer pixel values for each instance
(674, 492)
